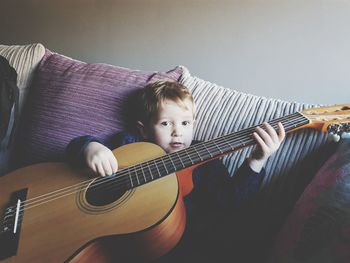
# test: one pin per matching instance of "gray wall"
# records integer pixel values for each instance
(295, 50)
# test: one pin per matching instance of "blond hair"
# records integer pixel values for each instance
(154, 94)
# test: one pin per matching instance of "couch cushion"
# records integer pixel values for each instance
(318, 228)
(70, 98)
(24, 59)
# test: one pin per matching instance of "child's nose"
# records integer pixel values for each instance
(177, 131)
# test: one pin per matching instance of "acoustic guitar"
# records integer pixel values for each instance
(52, 213)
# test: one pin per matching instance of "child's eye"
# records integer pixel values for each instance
(185, 123)
(165, 123)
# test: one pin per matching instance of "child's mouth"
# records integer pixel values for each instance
(176, 144)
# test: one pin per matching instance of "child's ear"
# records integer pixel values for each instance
(142, 129)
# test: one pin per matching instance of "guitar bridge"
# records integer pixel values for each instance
(10, 227)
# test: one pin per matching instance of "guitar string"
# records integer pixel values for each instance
(27, 202)
(102, 182)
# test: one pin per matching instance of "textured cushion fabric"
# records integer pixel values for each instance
(70, 98)
(24, 59)
(318, 228)
(221, 111)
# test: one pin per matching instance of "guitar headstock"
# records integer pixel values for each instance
(332, 119)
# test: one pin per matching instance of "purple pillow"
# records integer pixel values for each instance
(70, 98)
(318, 228)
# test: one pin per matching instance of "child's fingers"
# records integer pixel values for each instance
(107, 167)
(266, 137)
(268, 140)
(100, 169)
(261, 143)
(113, 162)
(281, 132)
(93, 168)
(271, 132)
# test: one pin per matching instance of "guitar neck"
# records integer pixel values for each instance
(153, 169)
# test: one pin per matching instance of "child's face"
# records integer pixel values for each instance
(172, 128)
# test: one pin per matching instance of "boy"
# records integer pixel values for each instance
(166, 116)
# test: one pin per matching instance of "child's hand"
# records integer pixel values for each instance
(268, 141)
(100, 159)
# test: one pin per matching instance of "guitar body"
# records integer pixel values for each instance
(140, 225)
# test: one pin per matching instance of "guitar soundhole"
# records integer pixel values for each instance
(101, 195)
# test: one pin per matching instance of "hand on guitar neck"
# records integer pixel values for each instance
(268, 142)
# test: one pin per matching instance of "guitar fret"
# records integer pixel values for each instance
(169, 157)
(211, 156)
(132, 185)
(183, 165)
(189, 158)
(133, 175)
(200, 157)
(229, 143)
(165, 166)
(150, 171)
(217, 147)
(155, 164)
(137, 177)
(143, 173)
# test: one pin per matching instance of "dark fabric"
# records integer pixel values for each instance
(9, 94)
(318, 228)
(211, 205)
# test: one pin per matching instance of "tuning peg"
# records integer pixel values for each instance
(330, 136)
(336, 137)
(333, 137)
(334, 128)
(345, 135)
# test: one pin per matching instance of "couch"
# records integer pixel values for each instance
(61, 98)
